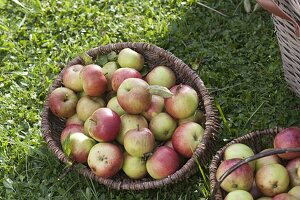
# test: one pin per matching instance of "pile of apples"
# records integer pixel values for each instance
(120, 120)
(274, 177)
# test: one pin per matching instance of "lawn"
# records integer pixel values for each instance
(236, 56)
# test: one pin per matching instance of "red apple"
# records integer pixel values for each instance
(93, 80)
(74, 119)
(240, 179)
(133, 96)
(77, 146)
(105, 159)
(72, 128)
(62, 102)
(87, 105)
(157, 105)
(284, 196)
(288, 138)
(186, 138)
(162, 163)
(134, 167)
(115, 106)
(272, 179)
(238, 195)
(295, 191)
(71, 78)
(161, 75)
(183, 103)
(104, 125)
(162, 126)
(122, 74)
(293, 167)
(138, 142)
(131, 59)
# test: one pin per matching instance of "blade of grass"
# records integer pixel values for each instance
(223, 117)
(253, 114)
(210, 8)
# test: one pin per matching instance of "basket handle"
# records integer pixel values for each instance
(251, 158)
(274, 9)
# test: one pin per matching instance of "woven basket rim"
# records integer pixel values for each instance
(210, 133)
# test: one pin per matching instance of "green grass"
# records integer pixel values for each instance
(236, 56)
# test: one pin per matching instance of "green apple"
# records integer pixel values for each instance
(161, 75)
(134, 167)
(266, 160)
(71, 78)
(238, 195)
(108, 70)
(131, 59)
(115, 106)
(87, 105)
(295, 191)
(162, 126)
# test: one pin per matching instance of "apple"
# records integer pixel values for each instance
(163, 162)
(238, 195)
(62, 102)
(115, 106)
(72, 128)
(264, 198)
(129, 122)
(105, 159)
(131, 59)
(295, 191)
(93, 80)
(186, 138)
(254, 191)
(108, 70)
(293, 168)
(134, 167)
(77, 146)
(138, 142)
(288, 138)
(133, 95)
(239, 150)
(266, 160)
(240, 179)
(284, 196)
(198, 117)
(71, 78)
(104, 125)
(122, 74)
(87, 105)
(86, 126)
(161, 75)
(183, 103)
(74, 119)
(157, 105)
(272, 179)
(162, 126)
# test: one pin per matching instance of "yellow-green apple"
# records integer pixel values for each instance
(86, 126)
(161, 75)
(183, 103)
(129, 122)
(130, 58)
(186, 138)
(133, 95)
(157, 105)
(108, 69)
(72, 128)
(105, 159)
(295, 191)
(162, 163)
(134, 167)
(266, 160)
(93, 80)
(284, 196)
(272, 179)
(239, 150)
(198, 117)
(77, 146)
(115, 106)
(122, 74)
(162, 126)
(138, 142)
(288, 138)
(104, 125)
(293, 168)
(62, 102)
(86, 105)
(240, 179)
(239, 195)
(74, 119)
(71, 78)
(264, 198)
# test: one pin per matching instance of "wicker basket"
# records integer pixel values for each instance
(52, 125)
(258, 141)
(286, 19)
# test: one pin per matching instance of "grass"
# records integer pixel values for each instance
(236, 55)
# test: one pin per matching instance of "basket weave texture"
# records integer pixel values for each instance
(257, 141)
(154, 56)
(289, 43)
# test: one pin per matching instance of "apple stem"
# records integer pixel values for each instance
(160, 91)
(178, 88)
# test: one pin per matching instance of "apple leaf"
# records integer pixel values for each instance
(160, 91)
(101, 60)
(112, 56)
(67, 146)
(87, 59)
